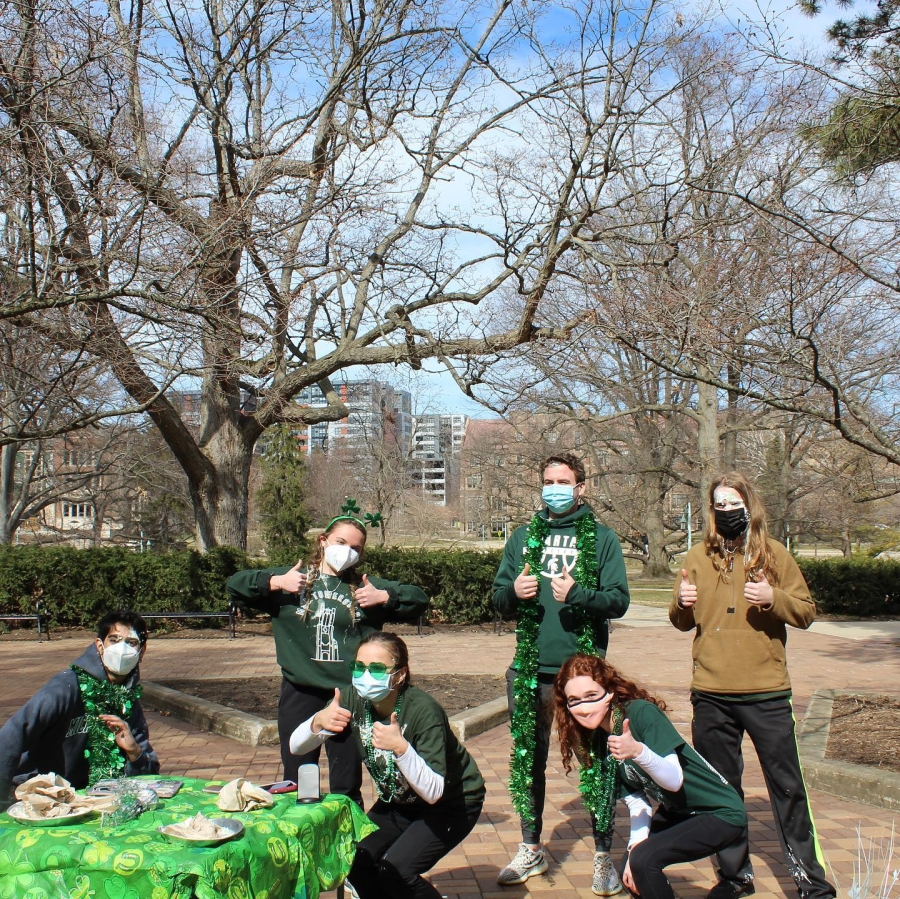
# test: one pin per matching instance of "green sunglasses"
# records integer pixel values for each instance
(378, 670)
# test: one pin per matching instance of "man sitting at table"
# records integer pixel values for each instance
(65, 727)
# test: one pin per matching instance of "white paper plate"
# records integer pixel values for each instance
(17, 811)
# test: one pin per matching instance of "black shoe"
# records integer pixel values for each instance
(727, 889)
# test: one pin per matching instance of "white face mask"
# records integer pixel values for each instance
(340, 556)
(120, 658)
(370, 688)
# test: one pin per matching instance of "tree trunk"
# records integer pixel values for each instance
(707, 436)
(220, 496)
(846, 541)
(656, 563)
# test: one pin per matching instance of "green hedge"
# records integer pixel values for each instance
(458, 581)
(857, 586)
(77, 587)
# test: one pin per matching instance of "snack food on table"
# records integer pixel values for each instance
(51, 796)
(240, 795)
(197, 828)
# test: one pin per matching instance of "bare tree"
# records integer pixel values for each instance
(258, 197)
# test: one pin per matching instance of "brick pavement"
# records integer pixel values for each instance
(658, 656)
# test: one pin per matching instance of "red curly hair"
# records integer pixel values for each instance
(574, 738)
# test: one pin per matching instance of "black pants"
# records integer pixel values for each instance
(389, 863)
(676, 839)
(718, 729)
(543, 725)
(296, 705)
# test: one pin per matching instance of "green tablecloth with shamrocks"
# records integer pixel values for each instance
(287, 851)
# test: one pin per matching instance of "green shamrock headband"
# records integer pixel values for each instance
(349, 512)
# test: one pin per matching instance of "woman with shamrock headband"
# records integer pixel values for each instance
(320, 613)
(628, 748)
(430, 791)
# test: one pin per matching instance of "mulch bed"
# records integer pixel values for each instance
(865, 730)
(259, 695)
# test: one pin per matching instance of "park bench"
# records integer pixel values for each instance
(231, 615)
(41, 628)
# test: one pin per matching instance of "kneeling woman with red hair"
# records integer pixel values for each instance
(628, 748)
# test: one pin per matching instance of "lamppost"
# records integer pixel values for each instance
(685, 522)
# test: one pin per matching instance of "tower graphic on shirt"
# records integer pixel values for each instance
(326, 646)
(560, 554)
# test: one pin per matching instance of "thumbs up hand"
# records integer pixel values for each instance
(389, 737)
(526, 584)
(759, 593)
(687, 592)
(367, 595)
(292, 581)
(332, 717)
(561, 585)
(625, 746)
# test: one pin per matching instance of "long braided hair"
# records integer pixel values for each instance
(351, 576)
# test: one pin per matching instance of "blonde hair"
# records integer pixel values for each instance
(759, 559)
(352, 578)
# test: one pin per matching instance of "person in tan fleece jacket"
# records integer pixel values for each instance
(739, 590)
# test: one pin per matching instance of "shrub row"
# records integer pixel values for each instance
(458, 581)
(77, 586)
(858, 586)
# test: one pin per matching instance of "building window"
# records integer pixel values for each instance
(473, 481)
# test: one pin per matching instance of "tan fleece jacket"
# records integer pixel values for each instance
(741, 651)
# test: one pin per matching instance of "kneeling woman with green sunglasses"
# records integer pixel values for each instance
(430, 791)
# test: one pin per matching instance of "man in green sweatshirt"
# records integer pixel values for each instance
(563, 576)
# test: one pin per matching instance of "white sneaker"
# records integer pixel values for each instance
(526, 863)
(606, 881)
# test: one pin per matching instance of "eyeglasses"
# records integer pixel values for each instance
(586, 700)
(378, 670)
(112, 639)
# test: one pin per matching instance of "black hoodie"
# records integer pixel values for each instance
(48, 733)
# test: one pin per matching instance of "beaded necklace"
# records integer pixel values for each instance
(526, 661)
(102, 697)
(597, 780)
(385, 777)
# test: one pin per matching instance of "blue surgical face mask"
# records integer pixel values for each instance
(558, 498)
(370, 688)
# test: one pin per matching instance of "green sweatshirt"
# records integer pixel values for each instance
(424, 724)
(558, 628)
(316, 645)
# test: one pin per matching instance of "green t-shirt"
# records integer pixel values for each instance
(316, 642)
(424, 724)
(704, 791)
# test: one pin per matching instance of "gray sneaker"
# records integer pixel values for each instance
(526, 863)
(606, 881)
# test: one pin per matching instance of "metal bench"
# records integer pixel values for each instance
(41, 628)
(231, 615)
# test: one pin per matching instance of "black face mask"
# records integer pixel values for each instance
(731, 523)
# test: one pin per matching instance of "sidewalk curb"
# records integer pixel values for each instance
(861, 783)
(210, 716)
(252, 731)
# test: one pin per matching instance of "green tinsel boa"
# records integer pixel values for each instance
(597, 780)
(101, 697)
(526, 659)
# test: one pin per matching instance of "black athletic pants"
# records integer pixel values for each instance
(389, 863)
(675, 839)
(295, 706)
(718, 729)
(543, 725)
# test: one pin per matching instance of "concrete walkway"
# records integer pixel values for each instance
(843, 656)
